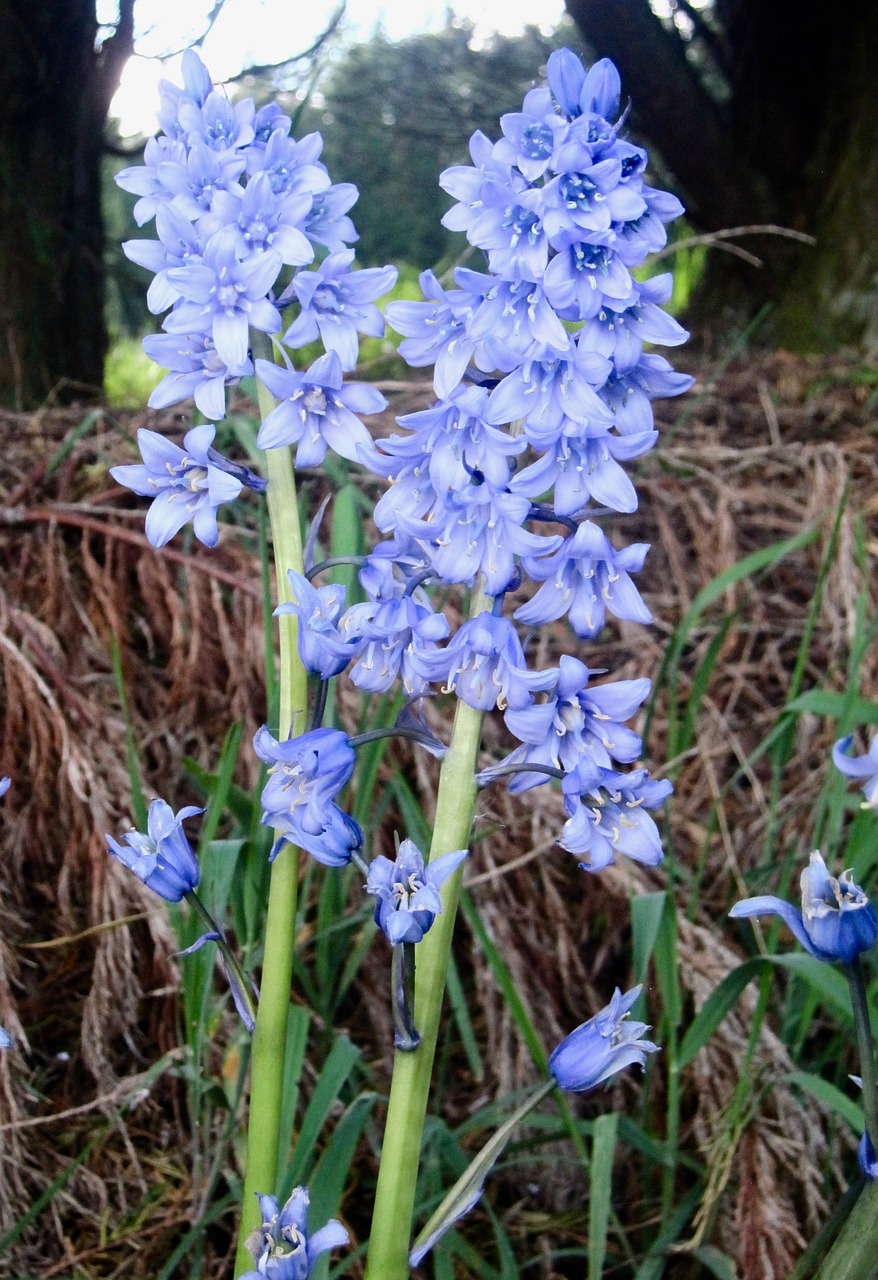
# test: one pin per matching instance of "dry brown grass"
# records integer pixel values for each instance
(89, 991)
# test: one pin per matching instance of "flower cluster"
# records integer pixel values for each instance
(241, 211)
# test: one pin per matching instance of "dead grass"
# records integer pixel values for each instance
(765, 451)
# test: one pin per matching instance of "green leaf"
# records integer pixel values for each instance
(603, 1150)
(831, 1096)
(340, 1062)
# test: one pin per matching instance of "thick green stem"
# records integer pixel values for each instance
(854, 1256)
(412, 1072)
(270, 1035)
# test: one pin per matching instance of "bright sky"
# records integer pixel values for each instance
(251, 32)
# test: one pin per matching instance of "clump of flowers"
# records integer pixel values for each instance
(545, 392)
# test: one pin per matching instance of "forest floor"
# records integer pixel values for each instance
(772, 457)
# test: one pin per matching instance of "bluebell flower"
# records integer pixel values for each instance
(837, 921)
(337, 304)
(583, 276)
(554, 397)
(291, 164)
(218, 123)
(436, 331)
(224, 296)
(322, 647)
(185, 484)
(395, 627)
(162, 857)
(260, 219)
(621, 326)
(601, 1047)
(608, 815)
(531, 136)
(193, 175)
(578, 719)
(196, 370)
(451, 443)
(485, 666)
(5, 784)
(304, 776)
(512, 321)
(582, 470)
(629, 393)
(283, 1248)
(863, 767)
(407, 891)
(327, 223)
(6, 1041)
(477, 529)
(317, 411)
(584, 578)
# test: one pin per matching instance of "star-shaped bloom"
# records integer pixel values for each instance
(607, 815)
(406, 890)
(322, 648)
(837, 921)
(185, 484)
(161, 857)
(338, 304)
(317, 411)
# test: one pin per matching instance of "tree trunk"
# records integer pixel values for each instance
(57, 88)
(764, 116)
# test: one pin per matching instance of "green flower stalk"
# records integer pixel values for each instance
(269, 1037)
(412, 1071)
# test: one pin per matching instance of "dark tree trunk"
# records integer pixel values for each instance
(57, 88)
(764, 113)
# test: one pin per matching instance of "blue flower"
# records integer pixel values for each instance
(584, 579)
(337, 304)
(601, 1047)
(577, 720)
(837, 921)
(864, 767)
(283, 1248)
(6, 1041)
(608, 815)
(225, 295)
(317, 411)
(162, 858)
(322, 648)
(485, 666)
(394, 628)
(185, 484)
(407, 891)
(5, 784)
(305, 774)
(436, 331)
(196, 370)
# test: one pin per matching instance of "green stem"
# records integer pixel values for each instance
(412, 1072)
(270, 1035)
(865, 1047)
(234, 968)
(854, 1256)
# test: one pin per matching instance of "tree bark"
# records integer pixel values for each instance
(767, 116)
(57, 89)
